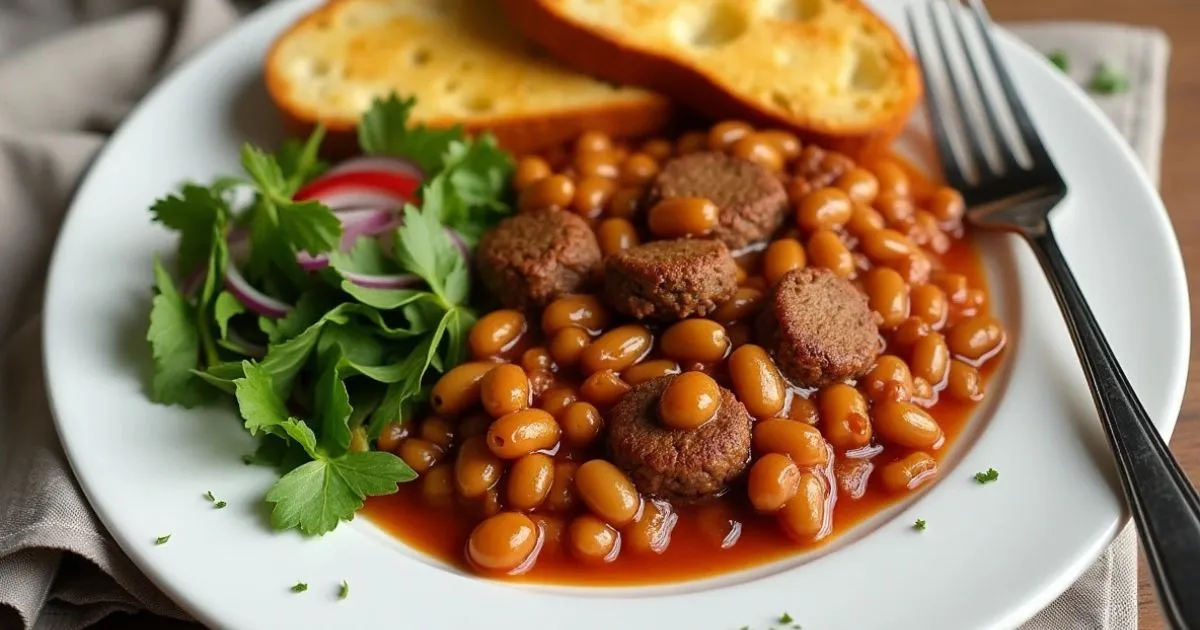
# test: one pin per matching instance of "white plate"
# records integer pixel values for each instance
(992, 555)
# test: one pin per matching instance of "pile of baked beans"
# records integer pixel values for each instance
(514, 439)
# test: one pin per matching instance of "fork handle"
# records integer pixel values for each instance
(1164, 503)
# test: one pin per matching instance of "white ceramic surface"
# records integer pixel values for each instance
(992, 555)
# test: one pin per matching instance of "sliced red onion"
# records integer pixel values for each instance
(395, 281)
(355, 224)
(250, 349)
(252, 298)
(378, 163)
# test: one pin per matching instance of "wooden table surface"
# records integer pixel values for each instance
(1180, 190)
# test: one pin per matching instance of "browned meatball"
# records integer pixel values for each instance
(531, 258)
(752, 201)
(820, 327)
(670, 280)
(673, 464)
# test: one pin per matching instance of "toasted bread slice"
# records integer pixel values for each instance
(829, 69)
(461, 59)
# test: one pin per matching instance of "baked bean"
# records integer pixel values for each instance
(844, 418)
(583, 311)
(909, 473)
(826, 250)
(852, 476)
(926, 233)
(593, 142)
(438, 431)
(458, 390)
(774, 479)
(420, 455)
(535, 359)
(963, 382)
(804, 517)
(553, 192)
(522, 432)
(472, 425)
(691, 142)
(616, 236)
(801, 442)
(651, 532)
(658, 148)
(556, 400)
(488, 505)
(889, 379)
(607, 492)
(678, 217)
(885, 245)
(976, 297)
(719, 524)
(476, 469)
(905, 424)
(954, 285)
(947, 205)
(437, 485)
(562, 488)
(864, 219)
(898, 211)
(591, 195)
(892, 178)
(391, 436)
(553, 531)
(689, 401)
(758, 150)
(504, 390)
(581, 424)
(648, 370)
(859, 184)
(929, 303)
(922, 392)
(824, 209)
(803, 410)
(745, 303)
(888, 296)
(593, 540)
(797, 188)
(723, 134)
(976, 338)
(530, 169)
(624, 203)
(603, 164)
(568, 345)
(785, 142)
(496, 332)
(906, 335)
(617, 349)
(697, 340)
(757, 381)
(529, 481)
(914, 268)
(603, 388)
(930, 359)
(506, 542)
(782, 256)
(539, 382)
(638, 169)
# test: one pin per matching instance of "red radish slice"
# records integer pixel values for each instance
(252, 298)
(378, 163)
(340, 191)
(368, 281)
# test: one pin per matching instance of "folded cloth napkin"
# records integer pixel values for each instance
(69, 70)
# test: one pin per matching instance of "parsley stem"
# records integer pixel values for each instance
(206, 340)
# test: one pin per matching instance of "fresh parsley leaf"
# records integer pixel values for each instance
(344, 590)
(919, 525)
(162, 540)
(366, 256)
(1108, 80)
(355, 342)
(987, 477)
(459, 328)
(225, 308)
(266, 173)
(308, 310)
(261, 407)
(175, 345)
(220, 505)
(319, 494)
(457, 286)
(785, 618)
(384, 130)
(333, 406)
(300, 163)
(310, 226)
(1060, 60)
(193, 212)
(299, 587)
(423, 249)
(209, 495)
(384, 299)
(300, 433)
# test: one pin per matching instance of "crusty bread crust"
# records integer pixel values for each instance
(590, 50)
(630, 115)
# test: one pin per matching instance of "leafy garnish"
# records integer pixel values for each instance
(384, 130)
(1107, 80)
(344, 590)
(785, 618)
(319, 494)
(1059, 59)
(919, 525)
(175, 344)
(987, 477)
(220, 504)
(299, 587)
(162, 540)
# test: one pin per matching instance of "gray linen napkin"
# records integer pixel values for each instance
(59, 98)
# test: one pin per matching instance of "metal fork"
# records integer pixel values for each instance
(1019, 198)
